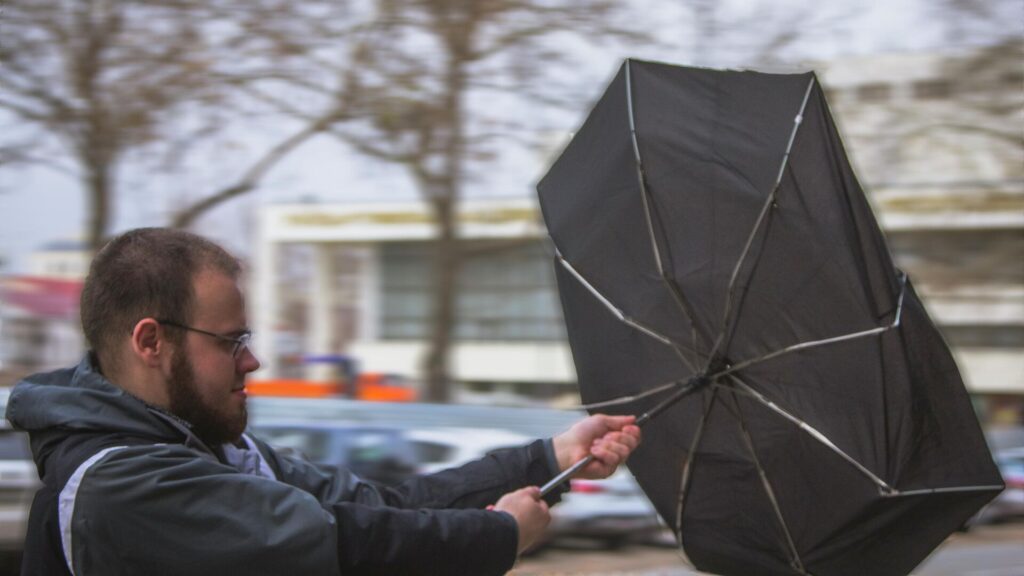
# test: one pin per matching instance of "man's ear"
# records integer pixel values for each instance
(148, 342)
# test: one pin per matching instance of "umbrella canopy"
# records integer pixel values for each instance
(713, 247)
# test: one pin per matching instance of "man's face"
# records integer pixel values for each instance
(207, 383)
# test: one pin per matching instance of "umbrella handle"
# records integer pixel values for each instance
(684, 389)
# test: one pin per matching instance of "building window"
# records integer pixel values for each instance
(504, 294)
(932, 89)
(1008, 336)
(874, 92)
(1014, 79)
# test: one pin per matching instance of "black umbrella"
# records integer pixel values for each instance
(718, 260)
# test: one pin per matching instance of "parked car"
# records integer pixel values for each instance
(18, 484)
(376, 453)
(1009, 504)
(440, 448)
(613, 511)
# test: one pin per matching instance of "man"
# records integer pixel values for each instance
(146, 469)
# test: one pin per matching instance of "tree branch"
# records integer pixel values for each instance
(256, 172)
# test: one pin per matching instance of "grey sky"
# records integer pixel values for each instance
(38, 205)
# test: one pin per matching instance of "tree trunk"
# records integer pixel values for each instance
(442, 319)
(443, 192)
(99, 190)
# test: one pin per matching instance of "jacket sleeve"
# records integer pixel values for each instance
(161, 510)
(473, 485)
(385, 541)
(429, 524)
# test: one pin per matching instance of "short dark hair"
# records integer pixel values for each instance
(146, 272)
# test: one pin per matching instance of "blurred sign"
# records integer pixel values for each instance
(41, 297)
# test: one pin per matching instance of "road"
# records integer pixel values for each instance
(984, 551)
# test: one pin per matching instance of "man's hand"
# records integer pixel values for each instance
(610, 439)
(531, 514)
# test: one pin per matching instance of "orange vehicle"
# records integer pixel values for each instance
(345, 383)
(379, 387)
(369, 386)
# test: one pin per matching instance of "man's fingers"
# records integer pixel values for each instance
(611, 454)
(614, 448)
(616, 422)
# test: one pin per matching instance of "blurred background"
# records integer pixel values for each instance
(373, 163)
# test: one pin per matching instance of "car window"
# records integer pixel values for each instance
(1012, 466)
(501, 449)
(310, 443)
(432, 452)
(14, 445)
(374, 445)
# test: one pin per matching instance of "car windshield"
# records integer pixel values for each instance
(428, 452)
(1012, 466)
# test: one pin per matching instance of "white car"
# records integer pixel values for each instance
(18, 484)
(613, 511)
(440, 448)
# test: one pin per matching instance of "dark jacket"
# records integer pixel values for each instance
(128, 489)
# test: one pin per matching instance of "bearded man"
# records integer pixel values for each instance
(147, 468)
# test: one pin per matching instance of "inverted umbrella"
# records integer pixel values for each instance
(721, 272)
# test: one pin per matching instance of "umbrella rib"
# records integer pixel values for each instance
(885, 489)
(630, 398)
(621, 316)
(981, 488)
(883, 486)
(824, 342)
(757, 225)
(794, 560)
(684, 480)
(641, 176)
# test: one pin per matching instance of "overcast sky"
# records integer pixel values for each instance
(38, 206)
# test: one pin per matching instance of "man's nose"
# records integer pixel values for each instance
(247, 361)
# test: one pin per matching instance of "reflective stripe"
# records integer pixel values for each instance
(66, 502)
(264, 468)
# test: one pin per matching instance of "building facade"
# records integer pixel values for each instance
(937, 140)
(370, 266)
(938, 143)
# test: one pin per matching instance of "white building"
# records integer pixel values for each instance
(370, 264)
(938, 141)
(928, 135)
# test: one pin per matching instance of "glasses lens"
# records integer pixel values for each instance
(242, 343)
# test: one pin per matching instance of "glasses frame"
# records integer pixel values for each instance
(240, 342)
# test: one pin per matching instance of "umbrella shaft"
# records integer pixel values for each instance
(685, 389)
(569, 472)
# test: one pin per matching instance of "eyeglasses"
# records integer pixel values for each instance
(240, 342)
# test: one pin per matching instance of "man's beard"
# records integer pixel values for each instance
(209, 424)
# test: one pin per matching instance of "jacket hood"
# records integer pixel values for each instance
(54, 405)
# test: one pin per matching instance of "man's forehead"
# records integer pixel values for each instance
(217, 293)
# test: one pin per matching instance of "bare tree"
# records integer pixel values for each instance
(88, 86)
(96, 79)
(289, 63)
(974, 22)
(432, 91)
